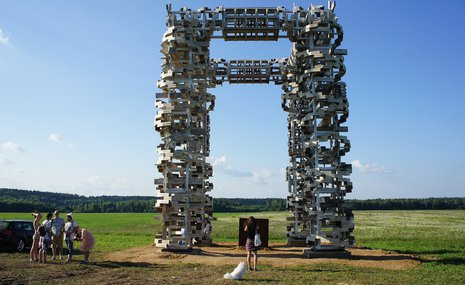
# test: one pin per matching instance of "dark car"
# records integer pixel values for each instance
(17, 233)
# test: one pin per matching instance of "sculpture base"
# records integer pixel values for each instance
(296, 243)
(189, 250)
(326, 253)
(204, 242)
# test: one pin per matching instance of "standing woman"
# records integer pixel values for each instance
(34, 254)
(251, 228)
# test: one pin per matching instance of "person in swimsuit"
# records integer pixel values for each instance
(34, 254)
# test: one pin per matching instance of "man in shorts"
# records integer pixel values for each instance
(58, 229)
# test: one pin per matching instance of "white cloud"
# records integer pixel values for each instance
(12, 147)
(4, 160)
(220, 164)
(19, 170)
(4, 38)
(217, 161)
(94, 181)
(266, 176)
(370, 167)
(236, 172)
(105, 186)
(59, 139)
(120, 184)
(262, 176)
(55, 138)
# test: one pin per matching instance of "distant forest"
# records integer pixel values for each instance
(14, 200)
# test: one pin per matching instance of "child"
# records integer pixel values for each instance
(88, 243)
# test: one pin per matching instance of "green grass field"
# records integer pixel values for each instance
(437, 237)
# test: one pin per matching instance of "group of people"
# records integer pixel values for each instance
(53, 231)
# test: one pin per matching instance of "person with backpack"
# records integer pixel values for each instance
(58, 228)
(45, 238)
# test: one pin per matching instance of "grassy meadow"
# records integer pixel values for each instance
(435, 237)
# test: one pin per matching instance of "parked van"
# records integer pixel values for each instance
(16, 233)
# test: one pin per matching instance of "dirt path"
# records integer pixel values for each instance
(277, 255)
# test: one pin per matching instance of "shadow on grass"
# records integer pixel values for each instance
(265, 280)
(301, 256)
(439, 251)
(273, 247)
(448, 261)
(386, 257)
(120, 264)
(316, 268)
(205, 253)
(285, 247)
(219, 245)
(261, 253)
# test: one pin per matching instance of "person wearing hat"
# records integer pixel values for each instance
(58, 228)
(71, 228)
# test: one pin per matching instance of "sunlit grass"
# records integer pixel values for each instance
(112, 231)
(436, 237)
(427, 232)
(423, 232)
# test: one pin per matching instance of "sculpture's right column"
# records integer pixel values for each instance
(315, 98)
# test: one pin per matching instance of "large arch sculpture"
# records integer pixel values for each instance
(313, 96)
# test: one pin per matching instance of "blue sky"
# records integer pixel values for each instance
(78, 78)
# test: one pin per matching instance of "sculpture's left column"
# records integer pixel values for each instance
(183, 123)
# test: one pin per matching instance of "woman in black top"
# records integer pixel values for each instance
(251, 228)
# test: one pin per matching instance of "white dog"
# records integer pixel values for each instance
(238, 272)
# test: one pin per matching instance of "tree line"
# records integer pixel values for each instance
(232, 205)
(14, 200)
(408, 204)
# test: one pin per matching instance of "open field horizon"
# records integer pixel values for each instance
(435, 238)
(375, 229)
